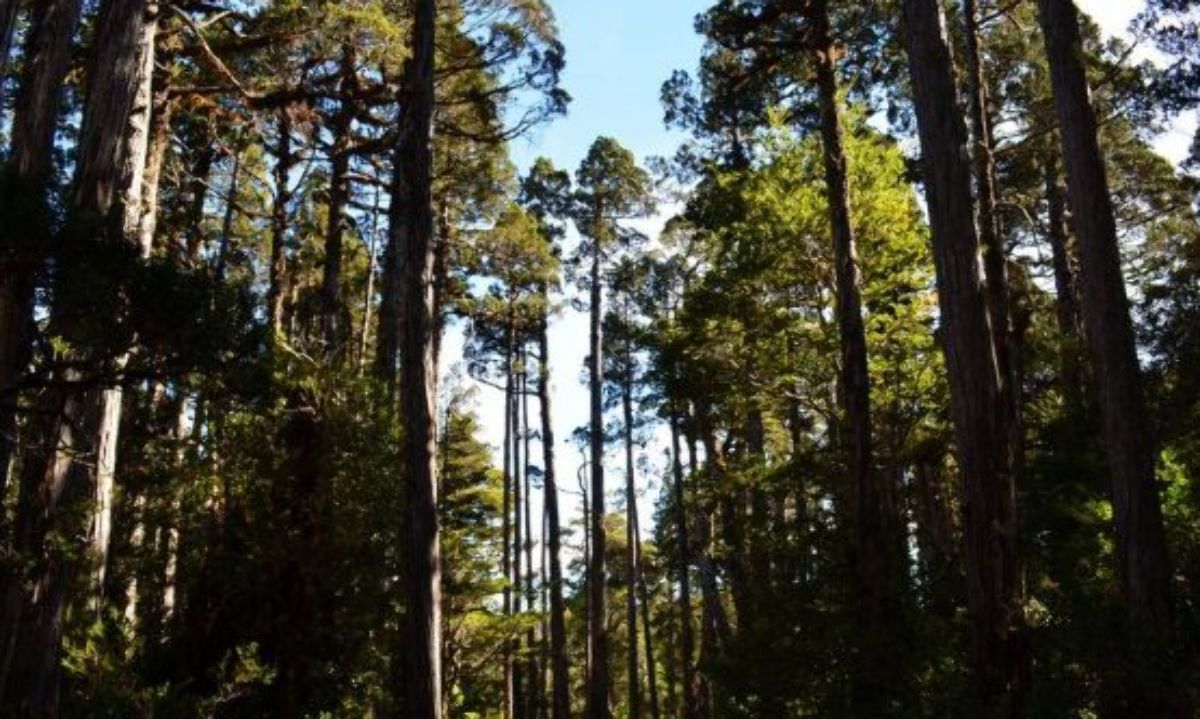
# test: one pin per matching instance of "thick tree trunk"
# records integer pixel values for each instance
(560, 669)
(877, 552)
(1143, 564)
(23, 199)
(995, 585)
(277, 270)
(687, 637)
(597, 703)
(75, 435)
(419, 375)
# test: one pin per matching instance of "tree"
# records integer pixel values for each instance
(1142, 553)
(994, 578)
(611, 188)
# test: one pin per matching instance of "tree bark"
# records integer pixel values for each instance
(644, 597)
(277, 271)
(507, 710)
(597, 704)
(419, 373)
(1066, 284)
(518, 589)
(1143, 564)
(995, 585)
(631, 540)
(994, 257)
(75, 433)
(46, 61)
(687, 637)
(877, 553)
(9, 9)
(561, 678)
(339, 194)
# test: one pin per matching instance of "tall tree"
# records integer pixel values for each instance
(611, 187)
(1143, 564)
(995, 585)
(413, 192)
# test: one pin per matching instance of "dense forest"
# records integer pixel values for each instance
(897, 416)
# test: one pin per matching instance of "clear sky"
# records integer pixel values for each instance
(619, 52)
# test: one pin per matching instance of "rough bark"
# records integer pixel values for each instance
(72, 449)
(507, 710)
(1143, 564)
(515, 580)
(561, 677)
(995, 586)
(644, 597)
(46, 60)
(419, 374)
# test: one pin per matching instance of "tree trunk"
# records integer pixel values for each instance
(23, 198)
(507, 711)
(995, 585)
(1066, 285)
(597, 703)
(877, 553)
(419, 374)
(994, 257)
(1143, 564)
(631, 541)
(277, 271)
(75, 435)
(687, 638)
(644, 597)
(561, 677)
(518, 589)
(339, 195)
(532, 688)
(9, 10)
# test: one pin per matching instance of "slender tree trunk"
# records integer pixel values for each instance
(277, 272)
(561, 676)
(419, 373)
(644, 598)
(506, 552)
(1143, 564)
(877, 552)
(598, 679)
(631, 541)
(687, 640)
(1066, 285)
(369, 293)
(339, 195)
(9, 9)
(516, 580)
(994, 576)
(533, 692)
(994, 257)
